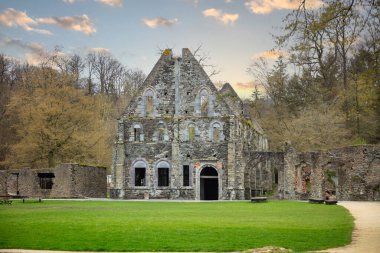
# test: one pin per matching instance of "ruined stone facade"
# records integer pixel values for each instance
(351, 173)
(64, 181)
(182, 138)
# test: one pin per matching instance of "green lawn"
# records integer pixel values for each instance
(172, 226)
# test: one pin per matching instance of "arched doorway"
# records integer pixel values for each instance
(209, 184)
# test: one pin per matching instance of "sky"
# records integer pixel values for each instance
(232, 33)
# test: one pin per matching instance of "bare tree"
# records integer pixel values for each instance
(108, 71)
(204, 60)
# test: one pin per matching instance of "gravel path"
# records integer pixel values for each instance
(366, 234)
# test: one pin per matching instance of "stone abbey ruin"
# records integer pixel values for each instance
(181, 138)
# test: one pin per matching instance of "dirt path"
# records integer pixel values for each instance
(366, 234)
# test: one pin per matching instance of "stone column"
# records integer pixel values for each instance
(175, 181)
(118, 176)
(231, 160)
(290, 157)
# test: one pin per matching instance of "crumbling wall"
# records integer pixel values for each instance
(88, 181)
(265, 174)
(68, 181)
(350, 173)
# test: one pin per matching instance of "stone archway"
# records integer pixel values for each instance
(209, 184)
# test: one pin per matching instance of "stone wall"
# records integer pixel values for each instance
(265, 174)
(352, 173)
(66, 181)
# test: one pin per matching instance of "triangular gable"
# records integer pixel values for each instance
(232, 99)
(182, 80)
(134, 108)
(194, 78)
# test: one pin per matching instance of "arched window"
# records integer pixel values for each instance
(140, 173)
(163, 173)
(136, 132)
(204, 102)
(191, 132)
(161, 131)
(215, 132)
(149, 103)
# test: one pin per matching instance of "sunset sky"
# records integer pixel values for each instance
(232, 32)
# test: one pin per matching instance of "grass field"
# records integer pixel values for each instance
(172, 226)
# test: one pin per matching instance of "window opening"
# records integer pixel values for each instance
(275, 176)
(149, 104)
(139, 176)
(215, 132)
(186, 175)
(161, 131)
(163, 176)
(136, 133)
(204, 104)
(191, 133)
(46, 180)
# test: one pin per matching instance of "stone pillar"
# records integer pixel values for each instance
(118, 176)
(231, 160)
(290, 157)
(240, 165)
(175, 180)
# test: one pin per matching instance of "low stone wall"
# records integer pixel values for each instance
(64, 181)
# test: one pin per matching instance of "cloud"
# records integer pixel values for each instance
(225, 18)
(76, 23)
(245, 89)
(113, 3)
(270, 55)
(36, 52)
(98, 50)
(267, 6)
(13, 18)
(10, 42)
(71, 1)
(248, 85)
(154, 22)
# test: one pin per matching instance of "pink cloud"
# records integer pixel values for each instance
(13, 18)
(267, 6)
(76, 23)
(225, 18)
(155, 22)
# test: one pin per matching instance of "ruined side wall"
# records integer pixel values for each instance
(70, 181)
(88, 181)
(265, 174)
(353, 173)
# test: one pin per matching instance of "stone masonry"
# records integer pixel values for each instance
(352, 173)
(64, 181)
